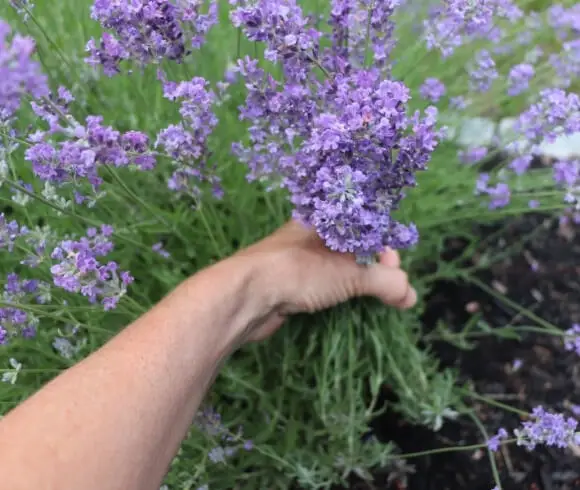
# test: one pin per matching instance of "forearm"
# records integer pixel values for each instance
(116, 419)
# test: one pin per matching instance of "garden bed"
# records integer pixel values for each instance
(544, 279)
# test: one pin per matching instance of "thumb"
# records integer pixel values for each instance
(388, 284)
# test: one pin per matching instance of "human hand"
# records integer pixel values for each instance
(297, 273)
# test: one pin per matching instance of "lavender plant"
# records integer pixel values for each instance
(129, 131)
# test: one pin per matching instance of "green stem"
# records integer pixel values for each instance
(88, 221)
(512, 304)
(134, 196)
(490, 455)
(199, 209)
(523, 328)
(495, 403)
(37, 371)
(441, 450)
(49, 39)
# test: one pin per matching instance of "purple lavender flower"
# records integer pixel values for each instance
(159, 249)
(556, 112)
(217, 455)
(572, 339)
(458, 102)
(566, 173)
(70, 152)
(567, 63)
(147, 31)
(519, 78)
(472, 155)
(10, 231)
(332, 145)
(521, 164)
(19, 73)
(186, 142)
(432, 90)
(79, 270)
(565, 21)
(359, 23)
(14, 321)
(500, 194)
(209, 422)
(494, 442)
(285, 30)
(455, 22)
(37, 240)
(547, 428)
(517, 364)
(483, 72)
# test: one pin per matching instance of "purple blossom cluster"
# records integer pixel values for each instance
(432, 90)
(71, 153)
(210, 423)
(363, 27)
(336, 135)
(79, 270)
(547, 428)
(521, 164)
(499, 194)
(472, 155)
(572, 339)
(148, 31)
(14, 321)
(159, 249)
(20, 74)
(519, 78)
(186, 142)
(494, 442)
(453, 23)
(483, 72)
(565, 20)
(344, 155)
(10, 231)
(556, 112)
(567, 63)
(286, 32)
(38, 241)
(566, 175)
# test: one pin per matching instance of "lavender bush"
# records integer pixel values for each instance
(142, 140)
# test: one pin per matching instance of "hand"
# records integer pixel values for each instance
(301, 275)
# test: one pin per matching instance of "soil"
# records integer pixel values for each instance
(544, 277)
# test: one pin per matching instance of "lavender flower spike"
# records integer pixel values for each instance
(547, 428)
(148, 31)
(572, 339)
(186, 142)
(19, 73)
(494, 442)
(80, 271)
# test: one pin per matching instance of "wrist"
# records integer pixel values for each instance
(238, 293)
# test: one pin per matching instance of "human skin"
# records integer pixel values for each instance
(116, 419)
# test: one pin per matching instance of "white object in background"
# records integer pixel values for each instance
(476, 132)
(564, 148)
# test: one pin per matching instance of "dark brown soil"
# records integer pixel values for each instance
(544, 277)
